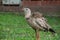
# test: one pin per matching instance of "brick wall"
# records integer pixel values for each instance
(33, 5)
(46, 7)
(41, 3)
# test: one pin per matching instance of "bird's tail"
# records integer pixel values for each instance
(52, 31)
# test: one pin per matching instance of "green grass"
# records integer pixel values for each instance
(15, 27)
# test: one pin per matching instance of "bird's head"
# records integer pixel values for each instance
(27, 12)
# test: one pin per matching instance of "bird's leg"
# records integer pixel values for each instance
(37, 35)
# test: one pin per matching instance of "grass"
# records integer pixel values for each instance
(15, 27)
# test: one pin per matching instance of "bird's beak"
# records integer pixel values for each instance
(22, 10)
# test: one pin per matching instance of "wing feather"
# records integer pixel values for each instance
(42, 23)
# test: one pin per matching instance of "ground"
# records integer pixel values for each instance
(15, 27)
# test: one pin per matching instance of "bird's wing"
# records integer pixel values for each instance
(33, 24)
(42, 23)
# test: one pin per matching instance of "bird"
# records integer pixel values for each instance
(37, 21)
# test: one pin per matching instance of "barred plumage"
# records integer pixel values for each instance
(37, 21)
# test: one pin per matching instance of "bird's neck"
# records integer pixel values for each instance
(28, 14)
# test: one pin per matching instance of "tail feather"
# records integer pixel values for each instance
(52, 31)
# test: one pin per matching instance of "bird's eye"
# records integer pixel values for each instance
(26, 9)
